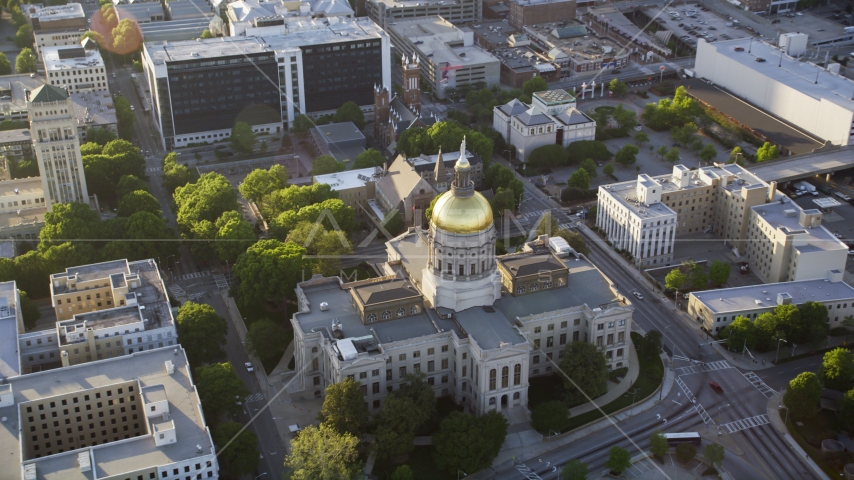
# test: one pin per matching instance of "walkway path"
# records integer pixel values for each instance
(774, 404)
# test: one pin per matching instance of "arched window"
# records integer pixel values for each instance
(517, 374)
(414, 310)
(372, 318)
(492, 379)
(313, 349)
(520, 289)
(535, 286)
(401, 312)
(492, 401)
(505, 377)
(516, 396)
(386, 315)
(547, 284)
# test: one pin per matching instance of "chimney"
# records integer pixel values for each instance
(772, 192)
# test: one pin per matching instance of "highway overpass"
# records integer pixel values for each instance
(801, 166)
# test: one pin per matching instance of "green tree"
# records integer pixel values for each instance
(174, 174)
(202, 332)
(626, 119)
(26, 61)
(848, 323)
(68, 221)
(403, 472)
(468, 443)
(57, 258)
(128, 184)
(369, 158)
(658, 444)
(719, 272)
(241, 456)
(837, 369)
(740, 333)
(206, 199)
(24, 36)
(845, 414)
(579, 179)
(138, 201)
(627, 155)
(548, 156)
(266, 340)
(662, 151)
(672, 155)
(220, 390)
(766, 152)
(5, 65)
(618, 88)
(125, 116)
(619, 459)
(350, 112)
(206, 34)
(344, 407)
(326, 164)
(547, 416)
(641, 138)
(813, 326)
(323, 453)
(586, 368)
(685, 452)
(592, 211)
(590, 166)
(534, 85)
(302, 124)
(295, 197)
(714, 454)
(396, 428)
(801, 398)
(281, 265)
(100, 136)
(127, 37)
(146, 235)
(608, 169)
(737, 154)
(503, 200)
(259, 182)
(328, 245)
(581, 149)
(234, 235)
(708, 152)
(29, 310)
(242, 138)
(683, 134)
(675, 279)
(575, 469)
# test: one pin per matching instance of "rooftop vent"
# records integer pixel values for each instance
(170, 367)
(324, 306)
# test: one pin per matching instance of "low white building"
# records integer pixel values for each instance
(74, 68)
(552, 118)
(716, 309)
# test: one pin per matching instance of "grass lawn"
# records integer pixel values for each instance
(420, 461)
(604, 109)
(809, 436)
(273, 360)
(645, 385)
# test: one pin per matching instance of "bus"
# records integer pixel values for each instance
(674, 439)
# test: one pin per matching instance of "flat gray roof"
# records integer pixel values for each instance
(819, 239)
(13, 92)
(340, 132)
(489, 327)
(94, 109)
(791, 168)
(586, 285)
(8, 136)
(10, 365)
(752, 297)
(112, 458)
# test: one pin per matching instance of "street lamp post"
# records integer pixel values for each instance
(634, 394)
(719, 416)
(550, 434)
(776, 357)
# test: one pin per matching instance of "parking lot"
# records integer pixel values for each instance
(690, 22)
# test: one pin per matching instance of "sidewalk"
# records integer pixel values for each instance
(507, 458)
(774, 413)
(614, 390)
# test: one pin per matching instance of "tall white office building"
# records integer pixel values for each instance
(53, 129)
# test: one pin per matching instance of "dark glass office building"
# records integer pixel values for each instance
(341, 72)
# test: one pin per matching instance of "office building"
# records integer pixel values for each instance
(571, 46)
(716, 309)
(94, 110)
(74, 68)
(54, 132)
(476, 324)
(245, 17)
(16, 144)
(110, 309)
(551, 118)
(22, 208)
(529, 12)
(141, 13)
(781, 241)
(14, 94)
(355, 187)
(447, 54)
(264, 81)
(56, 26)
(806, 96)
(386, 12)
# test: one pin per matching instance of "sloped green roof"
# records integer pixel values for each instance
(48, 93)
(570, 32)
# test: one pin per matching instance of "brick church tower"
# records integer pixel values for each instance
(412, 84)
(381, 110)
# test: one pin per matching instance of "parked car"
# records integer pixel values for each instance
(249, 367)
(638, 295)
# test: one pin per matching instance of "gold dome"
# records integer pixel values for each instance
(455, 214)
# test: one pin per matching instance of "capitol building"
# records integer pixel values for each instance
(476, 324)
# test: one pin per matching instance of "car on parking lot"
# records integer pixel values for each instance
(249, 367)
(717, 388)
(850, 252)
(837, 234)
(638, 295)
